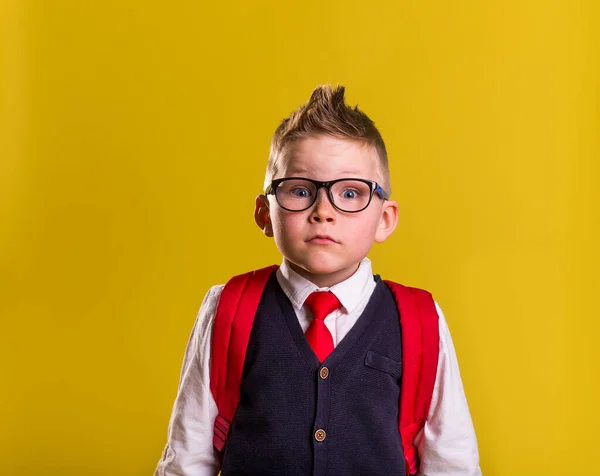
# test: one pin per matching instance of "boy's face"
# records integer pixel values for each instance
(322, 261)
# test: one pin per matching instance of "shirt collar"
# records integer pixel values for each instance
(350, 292)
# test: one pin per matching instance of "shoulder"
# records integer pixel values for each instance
(443, 324)
(206, 313)
(424, 294)
(212, 295)
(210, 301)
(409, 294)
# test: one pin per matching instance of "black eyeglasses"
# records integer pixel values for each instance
(350, 195)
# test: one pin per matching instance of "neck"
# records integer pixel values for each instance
(325, 280)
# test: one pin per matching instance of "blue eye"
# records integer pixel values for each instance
(300, 192)
(349, 194)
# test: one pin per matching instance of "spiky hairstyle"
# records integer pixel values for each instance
(326, 113)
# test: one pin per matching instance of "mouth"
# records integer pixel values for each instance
(322, 240)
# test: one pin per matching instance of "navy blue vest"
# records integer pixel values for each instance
(298, 417)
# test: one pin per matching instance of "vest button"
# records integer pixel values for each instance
(320, 435)
(324, 373)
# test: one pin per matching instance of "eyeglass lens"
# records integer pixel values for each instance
(347, 195)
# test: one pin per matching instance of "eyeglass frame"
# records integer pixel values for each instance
(375, 187)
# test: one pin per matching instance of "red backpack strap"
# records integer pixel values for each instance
(420, 352)
(231, 332)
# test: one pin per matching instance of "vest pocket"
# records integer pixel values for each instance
(385, 364)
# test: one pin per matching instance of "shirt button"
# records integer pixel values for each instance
(324, 373)
(320, 435)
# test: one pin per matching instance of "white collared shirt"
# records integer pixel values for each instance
(447, 445)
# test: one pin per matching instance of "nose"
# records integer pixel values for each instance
(323, 210)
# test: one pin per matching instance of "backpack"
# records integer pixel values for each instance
(420, 348)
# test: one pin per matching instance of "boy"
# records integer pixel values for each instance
(325, 204)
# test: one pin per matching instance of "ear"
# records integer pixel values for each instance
(388, 220)
(262, 215)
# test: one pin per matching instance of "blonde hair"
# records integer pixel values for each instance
(326, 113)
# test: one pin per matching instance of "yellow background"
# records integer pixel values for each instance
(134, 137)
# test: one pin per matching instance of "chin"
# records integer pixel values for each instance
(314, 265)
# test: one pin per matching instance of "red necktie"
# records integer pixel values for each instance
(321, 304)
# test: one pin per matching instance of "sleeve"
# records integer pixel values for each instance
(189, 450)
(447, 445)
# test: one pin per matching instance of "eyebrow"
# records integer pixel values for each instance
(297, 171)
(348, 173)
